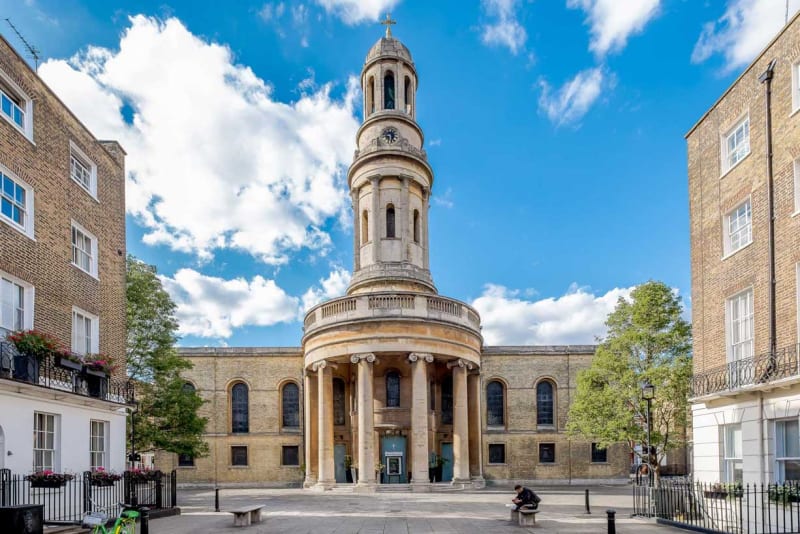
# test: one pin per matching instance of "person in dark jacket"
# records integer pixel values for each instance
(525, 497)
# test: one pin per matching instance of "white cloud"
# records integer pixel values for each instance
(743, 31)
(269, 12)
(578, 317)
(214, 161)
(573, 99)
(505, 29)
(208, 306)
(331, 287)
(613, 21)
(355, 11)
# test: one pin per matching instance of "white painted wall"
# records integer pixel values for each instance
(72, 432)
(758, 444)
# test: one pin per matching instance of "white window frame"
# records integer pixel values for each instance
(746, 228)
(98, 444)
(14, 92)
(795, 87)
(728, 458)
(734, 331)
(49, 449)
(84, 161)
(796, 168)
(94, 341)
(780, 475)
(28, 293)
(27, 226)
(92, 253)
(742, 151)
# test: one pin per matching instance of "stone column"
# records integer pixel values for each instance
(460, 422)
(356, 229)
(426, 196)
(376, 216)
(326, 478)
(404, 216)
(311, 420)
(366, 453)
(475, 445)
(419, 418)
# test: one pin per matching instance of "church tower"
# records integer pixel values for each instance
(403, 358)
(390, 179)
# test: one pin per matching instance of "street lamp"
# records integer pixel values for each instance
(648, 393)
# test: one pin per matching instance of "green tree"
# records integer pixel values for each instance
(166, 417)
(647, 341)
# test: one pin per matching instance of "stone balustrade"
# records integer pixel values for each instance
(388, 305)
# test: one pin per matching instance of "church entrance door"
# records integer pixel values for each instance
(393, 458)
(338, 463)
(447, 467)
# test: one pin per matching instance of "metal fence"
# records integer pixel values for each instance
(729, 508)
(68, 503)
(783, 363)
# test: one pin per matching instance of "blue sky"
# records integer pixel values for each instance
(554, 128)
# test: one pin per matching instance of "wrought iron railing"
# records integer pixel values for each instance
(70, 501)
(738, 374)
(735, 508)
(62, 375)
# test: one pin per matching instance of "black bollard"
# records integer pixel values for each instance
(612, 527)
(144, 516)
(216, 499)
(588, 511)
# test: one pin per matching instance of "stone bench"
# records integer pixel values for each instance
(244, 516)
(527, 518)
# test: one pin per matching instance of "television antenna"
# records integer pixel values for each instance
(32, 50)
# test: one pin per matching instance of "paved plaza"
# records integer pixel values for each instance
(298, 511)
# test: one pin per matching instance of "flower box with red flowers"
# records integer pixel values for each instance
(48, 479)
(69, 360)
(98, 365)
(102, 478)
(142, 476)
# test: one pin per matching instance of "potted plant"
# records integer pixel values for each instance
(97, 368)
(141, 476)
(721, 491)
(48, 479)
(437, 471)
(348, 469)
(32, 346)
(785, 493)
(379, 467)
(69, 360)
(99, 477)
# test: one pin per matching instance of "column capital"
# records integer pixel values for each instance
(460, 363)
(322, 365)
(367, 356)
(421, 357)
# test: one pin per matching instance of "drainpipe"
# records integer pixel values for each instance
(766, 79)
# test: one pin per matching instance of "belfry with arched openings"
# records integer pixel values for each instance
(393, 384)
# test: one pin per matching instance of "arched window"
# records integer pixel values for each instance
(447, 400)
(240, 410)
(544, 403)
(407, 95)
(393, 389)
(364, 228)
(495, 404)
(338, 401)
(390, 221)
(188, 387)
(388, 91)
(416, 226)
(371, 95)
(290, 405)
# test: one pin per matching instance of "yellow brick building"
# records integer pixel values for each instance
(392, 383)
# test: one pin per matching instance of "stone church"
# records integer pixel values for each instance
(393, 383)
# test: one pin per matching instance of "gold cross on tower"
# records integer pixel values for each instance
(388, 22)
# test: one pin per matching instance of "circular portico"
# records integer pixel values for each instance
(391, 369)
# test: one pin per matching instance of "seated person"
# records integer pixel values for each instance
(525, 498)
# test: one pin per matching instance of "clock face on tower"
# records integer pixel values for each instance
(390, 135)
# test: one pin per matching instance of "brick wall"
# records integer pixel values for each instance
(45, 261)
